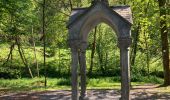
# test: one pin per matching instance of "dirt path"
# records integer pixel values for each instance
(146, 92)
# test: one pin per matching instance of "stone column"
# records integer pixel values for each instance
(124, 44)
(82, 62)
(74, 71)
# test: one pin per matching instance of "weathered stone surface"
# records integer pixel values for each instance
(81, 22)
(124, 42)
(123, 11)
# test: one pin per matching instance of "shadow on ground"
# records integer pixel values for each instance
(150, 96)
(92, 95)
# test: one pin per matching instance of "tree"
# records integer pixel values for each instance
(164, 38)
(44, 40)
(93, 52)
(16, 25)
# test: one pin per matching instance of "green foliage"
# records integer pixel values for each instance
(23, 18)
(16, 16)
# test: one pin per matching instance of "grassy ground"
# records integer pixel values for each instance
(37, 84)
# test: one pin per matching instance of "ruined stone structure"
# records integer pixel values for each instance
(82, 20)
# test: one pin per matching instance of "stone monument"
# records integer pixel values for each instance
(81, 22)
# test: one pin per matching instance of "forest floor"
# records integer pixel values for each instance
(138, 92)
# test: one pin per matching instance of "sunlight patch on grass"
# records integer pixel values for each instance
(164, 89)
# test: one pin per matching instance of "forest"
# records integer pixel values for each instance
(34, 48)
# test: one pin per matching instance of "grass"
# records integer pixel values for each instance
(26, 84)
(37, 84)
(164, 89)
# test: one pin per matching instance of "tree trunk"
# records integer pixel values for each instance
(44, 40)
(93, 52)
(71, 5)
(35, 54)
(11, 57)
(164, 38)
(10, 54)
(100, 53)
(106, 61)
(23, 57)
(135, 46)
(101, 60)
(59, 61)
(147, 54)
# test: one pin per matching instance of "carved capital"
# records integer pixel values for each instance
(83, 46)
(74, 45)
(77, 45)
(124, 42)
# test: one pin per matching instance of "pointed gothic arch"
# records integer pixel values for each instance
(80, 23)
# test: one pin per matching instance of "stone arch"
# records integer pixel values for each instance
(81, 22)
(92, 22)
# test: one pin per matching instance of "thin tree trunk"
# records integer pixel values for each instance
(23, 57)
(44, 39)
(12, 56)
(146, 44)
(147, 53)
(35, 54)
(71, 5)
(26, 62)
(164, 38)
(10, 53)
(105, 65)
(59, 58)
(100, 54)
(93, 52)
(135, 46)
